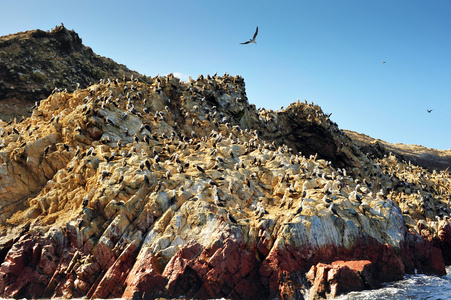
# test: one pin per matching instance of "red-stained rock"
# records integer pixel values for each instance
(426, 258)
(340, 277)
(95, 133)
(28, 267)
(364, 268)
(220, 272)
(317, 277)
(112, 283)
(389, 265)
(144, 280)
(444, 243)
(274, 268)
(437, 266)
(182, 278)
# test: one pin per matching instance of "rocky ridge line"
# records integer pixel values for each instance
(35, 63)
(424, 157)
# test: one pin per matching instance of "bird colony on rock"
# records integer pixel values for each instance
(170, 189)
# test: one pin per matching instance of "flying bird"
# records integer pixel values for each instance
(384, 62)
(429, 110)
(253, 39)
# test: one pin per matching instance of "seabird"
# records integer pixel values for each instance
(46, 150)
(105, 173)
(199, 168)
(231, 218)
(253, 38)
(146, 179)
(147, 164)
(90, 151)
(299, 210)
(332, 209)
(429, 110)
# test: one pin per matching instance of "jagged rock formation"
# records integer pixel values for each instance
(34, 63)
(131, 189)
(162, 188)
(424, 157)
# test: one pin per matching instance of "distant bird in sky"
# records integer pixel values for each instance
(253, 39)
(384, 62)
(429, 110)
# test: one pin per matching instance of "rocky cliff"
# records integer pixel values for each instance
(36, 62)
(172, 189)
(427, 158)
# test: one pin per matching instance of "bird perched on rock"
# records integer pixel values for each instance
(252, 40)
(105, 173)
(332, 209)
(85, 202)
(46, 150)
(299, 210)
(77, 152)
(146, 179)
(90, 151)
(199, 168)
(326, 200)
(231, 218)
(147, 163)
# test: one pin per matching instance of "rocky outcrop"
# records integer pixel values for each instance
(340, 277)
(166, 189)
(427, 158)
(35, 63)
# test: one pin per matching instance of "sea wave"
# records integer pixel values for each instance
(418, 286)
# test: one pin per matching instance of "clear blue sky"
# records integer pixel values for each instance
(326, 51)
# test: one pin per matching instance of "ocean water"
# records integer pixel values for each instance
(419, 287)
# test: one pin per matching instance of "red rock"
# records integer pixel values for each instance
(330, 280)
(444, 243)
(436, 262)
(389, 265)
(112, 283)
(144, 279)
(426, 258)
(95, 133)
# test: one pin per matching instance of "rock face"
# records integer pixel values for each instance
(34, 63)
(427, 158)
(172, 189)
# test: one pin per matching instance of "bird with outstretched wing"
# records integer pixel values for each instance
(253, 39)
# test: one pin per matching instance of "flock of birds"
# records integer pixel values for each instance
(196, 128)
(252, 40)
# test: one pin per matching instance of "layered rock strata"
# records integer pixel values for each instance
(182, 189)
